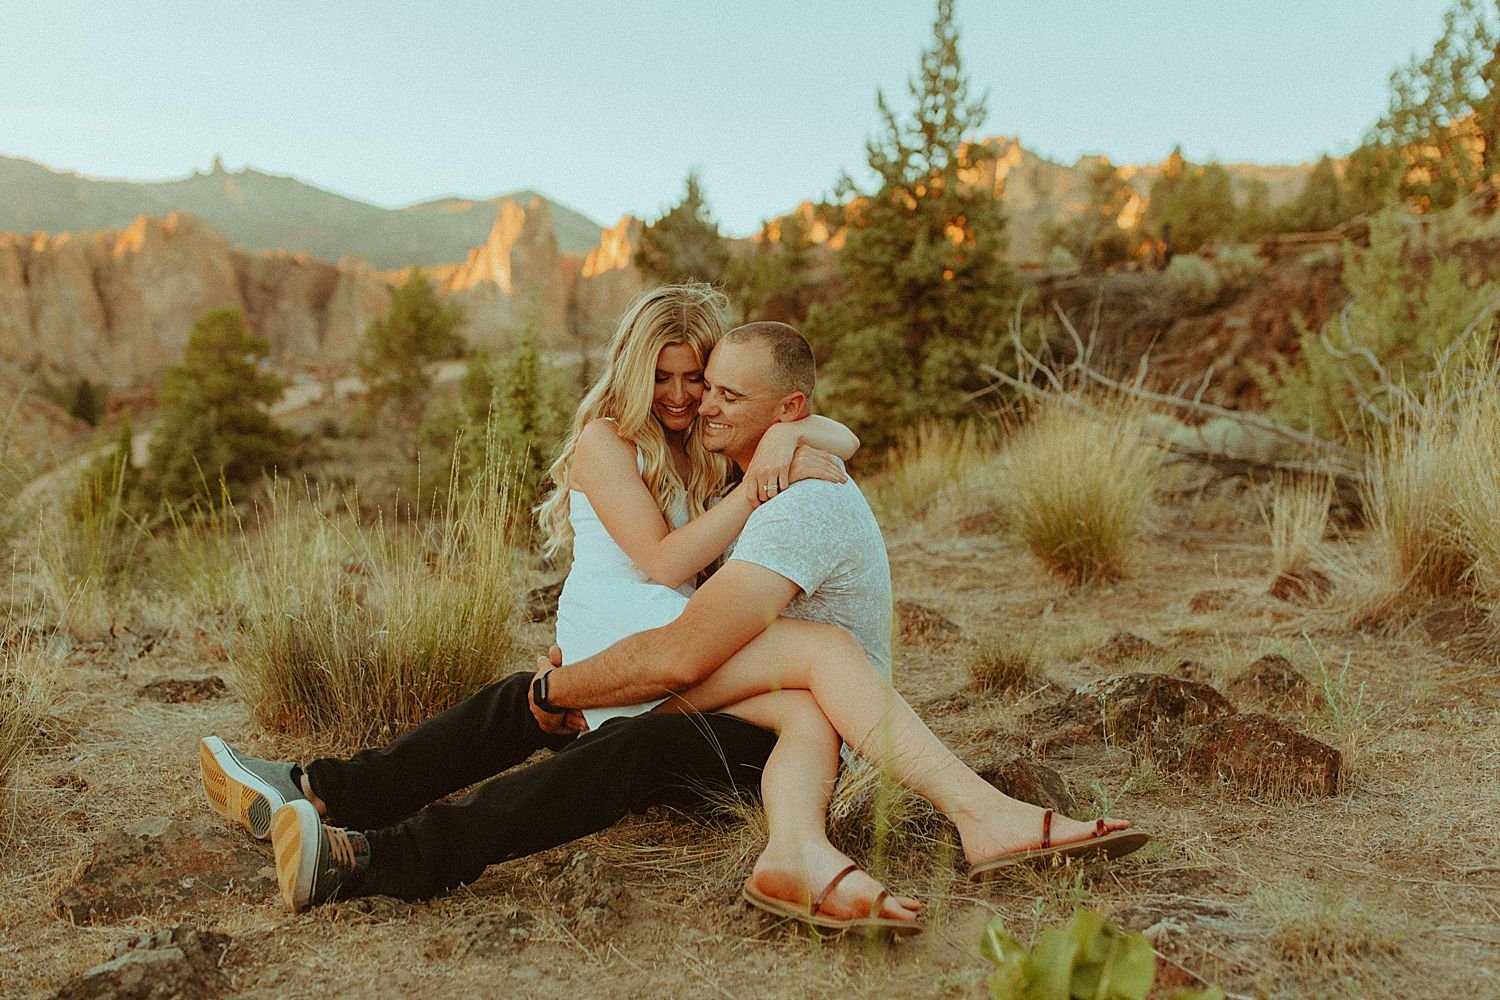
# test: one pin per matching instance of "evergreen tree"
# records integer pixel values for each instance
(1094, 236)
(1321, 205)
(397, 348)
(1255, 217)
(778, 279)
(1440, 136)
(1197, 202)
(927, 291)
(213, 418)
(87, 402)
(684, 244)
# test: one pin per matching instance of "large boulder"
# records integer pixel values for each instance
(172, 963)
(1140, 709)
(1261, 756)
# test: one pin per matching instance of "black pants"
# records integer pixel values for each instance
(420, 847)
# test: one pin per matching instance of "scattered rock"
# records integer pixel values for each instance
(172, 963)
(1206, 601)
(990, 522)
(1123, 647)
(1301, 586)
(1026, 779)
(920, 624)
(1138, 709)
(1273, 680)
(159, 862)
(541, 603)
(180, 690)
(591, 896)
(1260, 755)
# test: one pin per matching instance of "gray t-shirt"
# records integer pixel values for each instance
(823, 537)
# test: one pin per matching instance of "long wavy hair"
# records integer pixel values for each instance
(688, 314)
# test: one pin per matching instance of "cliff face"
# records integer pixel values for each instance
(116, 307)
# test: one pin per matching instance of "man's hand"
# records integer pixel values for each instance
(560, 723)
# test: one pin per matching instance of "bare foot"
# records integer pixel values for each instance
(1014, 827)
(798, 873)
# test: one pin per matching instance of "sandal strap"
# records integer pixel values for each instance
(1100, 828)
(1046, 829)
(832, 885)
(877, 908)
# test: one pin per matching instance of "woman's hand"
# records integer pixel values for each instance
(815, 463)
(769, 471)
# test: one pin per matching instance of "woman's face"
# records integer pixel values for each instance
(679, 387)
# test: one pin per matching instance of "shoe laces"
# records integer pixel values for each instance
(341, 847)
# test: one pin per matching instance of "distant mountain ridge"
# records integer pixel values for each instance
(266, 212)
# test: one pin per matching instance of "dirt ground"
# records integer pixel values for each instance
(1389, 888)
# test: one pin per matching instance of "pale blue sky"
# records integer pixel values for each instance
(605, 105)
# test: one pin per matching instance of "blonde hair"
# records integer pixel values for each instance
(687, 314)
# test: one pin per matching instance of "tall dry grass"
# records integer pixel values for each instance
(1433, 502)
(355, 629)
(1079, 486)
(1298, 521)
(940, 472)
(27, 669)
(85, 545)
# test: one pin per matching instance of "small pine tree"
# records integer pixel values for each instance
(685, 243)
(927, 291)
(1321, 205)
(87, 402)
(1196, 202)
(1408, 322)
(213, 418)
(417, 330)
(778, 280)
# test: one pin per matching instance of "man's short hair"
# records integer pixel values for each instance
(792, 368)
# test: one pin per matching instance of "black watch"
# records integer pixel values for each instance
(539, 695)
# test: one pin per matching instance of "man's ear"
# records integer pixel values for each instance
(792, 407)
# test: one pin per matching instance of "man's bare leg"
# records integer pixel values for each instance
(878, 723)
(796, 787)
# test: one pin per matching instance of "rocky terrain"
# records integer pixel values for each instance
(1316, 795)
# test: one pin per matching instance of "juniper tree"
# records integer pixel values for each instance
(398, 348)
(927, 291)
(213, 412)
(685, 243)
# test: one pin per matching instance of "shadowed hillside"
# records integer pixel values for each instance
(259, 211)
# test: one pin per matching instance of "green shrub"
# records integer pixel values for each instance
(1090, 960)
(1193, 282)
(397, 348)
(1238, 266)
(1405, 335)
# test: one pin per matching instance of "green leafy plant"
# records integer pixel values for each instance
(1091, 959)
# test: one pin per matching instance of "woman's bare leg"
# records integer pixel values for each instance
(796, 787)
(878, 723)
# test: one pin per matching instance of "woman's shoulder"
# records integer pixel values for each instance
(600, 441)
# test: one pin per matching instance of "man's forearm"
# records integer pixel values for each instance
(637, 668)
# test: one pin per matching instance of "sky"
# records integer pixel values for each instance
(604, 106)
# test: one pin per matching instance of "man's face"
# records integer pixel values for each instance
(739, 402)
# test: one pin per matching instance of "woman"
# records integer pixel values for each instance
(631, 468)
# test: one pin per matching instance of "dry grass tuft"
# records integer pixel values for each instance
(1433, 501)
(940, 472)
(1298, 520)
(1079, 488)
(85, 545)
(1005, 662)
(26, 691)
(354, 631)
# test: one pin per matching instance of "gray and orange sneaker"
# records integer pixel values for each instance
(315, 863)
(245, 790)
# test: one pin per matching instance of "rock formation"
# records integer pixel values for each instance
(116, 307)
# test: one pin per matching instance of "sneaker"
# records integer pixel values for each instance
(245, 790)
(314, 862)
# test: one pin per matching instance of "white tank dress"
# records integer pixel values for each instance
(607, 597)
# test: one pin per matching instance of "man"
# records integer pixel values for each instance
(414, 846)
